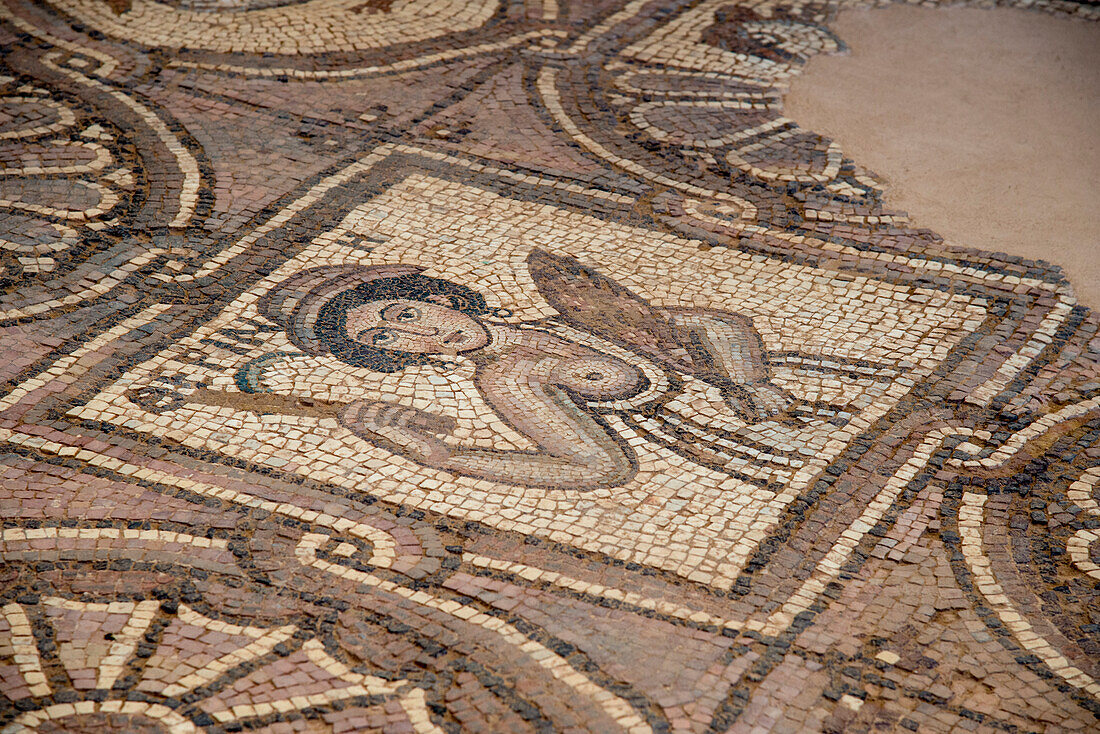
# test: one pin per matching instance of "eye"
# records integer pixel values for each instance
(380, 337)
(408, 314)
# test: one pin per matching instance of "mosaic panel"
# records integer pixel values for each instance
(774, 369)
(475, 366)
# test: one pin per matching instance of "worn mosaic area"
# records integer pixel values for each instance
(438, 366)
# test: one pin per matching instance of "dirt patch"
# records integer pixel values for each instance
(982, 123)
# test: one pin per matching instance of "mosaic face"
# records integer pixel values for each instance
(414, 326)
(442, 366)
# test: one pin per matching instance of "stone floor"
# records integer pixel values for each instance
(485, 365)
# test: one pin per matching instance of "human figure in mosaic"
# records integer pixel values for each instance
(389, 317)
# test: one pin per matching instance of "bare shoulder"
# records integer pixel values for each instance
(520, 365)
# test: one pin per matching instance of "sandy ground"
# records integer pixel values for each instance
(984, 125)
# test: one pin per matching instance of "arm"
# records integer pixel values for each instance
(733, 354)
(575, 451)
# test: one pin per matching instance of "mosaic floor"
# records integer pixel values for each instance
(504, 366)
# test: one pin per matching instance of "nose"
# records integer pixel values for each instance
(416, 329)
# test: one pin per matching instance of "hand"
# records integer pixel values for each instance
(757, 401)
(769, 400)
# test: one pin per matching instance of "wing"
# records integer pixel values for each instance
(597, 304)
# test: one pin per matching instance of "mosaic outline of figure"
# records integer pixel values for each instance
(388, 317)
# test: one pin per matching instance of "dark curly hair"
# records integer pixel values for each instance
(331, 326)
